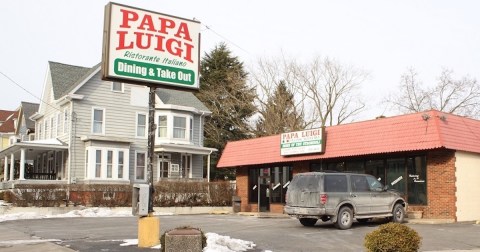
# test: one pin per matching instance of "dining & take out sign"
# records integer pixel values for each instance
(141, 47)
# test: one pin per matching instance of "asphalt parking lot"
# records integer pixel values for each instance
(274, 234)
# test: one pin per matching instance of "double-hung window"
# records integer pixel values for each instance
(140, 167)
(141, 125)
(65, 121)
(106, 163)
(98, 121)
(179, 127)
(162, 126)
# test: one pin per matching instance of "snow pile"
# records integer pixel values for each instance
(2, 203)
(86, 212)
(215, 243)
(93, 212)
(220, 243)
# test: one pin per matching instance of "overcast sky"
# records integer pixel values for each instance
(383, 38)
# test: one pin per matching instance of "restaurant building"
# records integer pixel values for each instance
(431, 157)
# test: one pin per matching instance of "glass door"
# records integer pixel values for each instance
(264, 190)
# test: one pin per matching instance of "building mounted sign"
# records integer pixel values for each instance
(145, 47)
(302, 142)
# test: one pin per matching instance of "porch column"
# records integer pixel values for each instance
(5, 169)
(12, 164)
(208, 167)
(22, 164)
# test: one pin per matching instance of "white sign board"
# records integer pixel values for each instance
(147, 47)
(302, 142)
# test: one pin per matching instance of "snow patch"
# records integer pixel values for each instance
(220, 243)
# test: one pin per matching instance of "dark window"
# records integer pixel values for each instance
(253, 184)
(280, 178)
(359, 183)
(355, 166)
(417, 180)
(335, 183)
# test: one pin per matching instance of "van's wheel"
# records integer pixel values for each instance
(398, 213)
(308, 222)
(344, 218)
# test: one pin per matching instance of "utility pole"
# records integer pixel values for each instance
(151, 146)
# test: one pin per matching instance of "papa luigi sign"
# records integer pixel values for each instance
(302, 142)
(148, 47)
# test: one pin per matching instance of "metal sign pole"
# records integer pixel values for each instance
(151, 145)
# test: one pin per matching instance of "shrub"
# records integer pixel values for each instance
(393, 237)
(162, 238)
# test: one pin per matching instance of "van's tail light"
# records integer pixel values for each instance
(323, 198)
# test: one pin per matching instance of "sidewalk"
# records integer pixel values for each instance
(14, 241)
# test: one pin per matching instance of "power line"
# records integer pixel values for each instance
(226, 39)
(24, 89)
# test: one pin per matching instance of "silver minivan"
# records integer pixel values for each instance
(341, 197)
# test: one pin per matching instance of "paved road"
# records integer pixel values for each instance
(276, 234)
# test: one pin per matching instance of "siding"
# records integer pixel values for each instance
(120, 119)
(467, 174)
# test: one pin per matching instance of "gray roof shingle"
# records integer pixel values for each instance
(180, 98)
(65, 77)
(28, 110)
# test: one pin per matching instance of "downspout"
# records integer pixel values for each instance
(70, 154)
(208, 166)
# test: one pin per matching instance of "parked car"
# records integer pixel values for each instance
(341, 197)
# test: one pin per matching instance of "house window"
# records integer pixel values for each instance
(106, 163)
(46, 129)
(120, 164)
(86, 163)
(58, 124)
(65, 121)
(53, 128)
(117, 87)
(98, 163)
(40, 135)
(162, 126)
(109, 163)
(141, 125)
(179, 127)
(186, 165)
(164, 165)
(191, 129)
(98, 121)
(140, 166)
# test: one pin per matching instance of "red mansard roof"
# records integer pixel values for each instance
(403, 133)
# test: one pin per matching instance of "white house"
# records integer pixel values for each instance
(92, 131)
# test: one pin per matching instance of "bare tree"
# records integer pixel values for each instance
(412, 98)
(280, 109)
(331, 89)
(459, 96)
(325, 91)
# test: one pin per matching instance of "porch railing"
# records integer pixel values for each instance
(41, 176)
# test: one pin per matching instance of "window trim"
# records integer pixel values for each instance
(103, 120)
(65, 120)
(170, 127)
(122, 89)
(166, 157)
(90, 163)
(137, 125)
(144, 168)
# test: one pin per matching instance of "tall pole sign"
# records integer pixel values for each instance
(146, 47)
